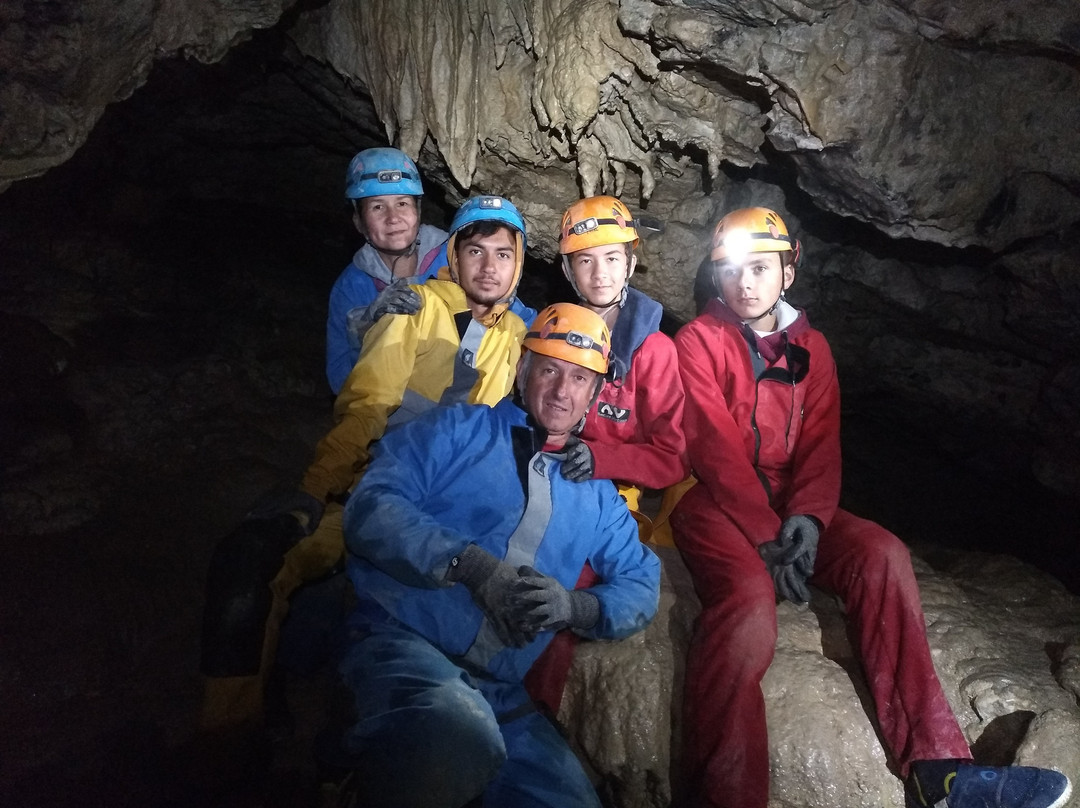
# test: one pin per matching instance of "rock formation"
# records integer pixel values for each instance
(63, 63)
(949, 123)
(1005, 647)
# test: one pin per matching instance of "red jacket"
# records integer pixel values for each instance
(762, 420)
(635, 430)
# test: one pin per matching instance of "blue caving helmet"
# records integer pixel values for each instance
(382, 172)
(488, 209)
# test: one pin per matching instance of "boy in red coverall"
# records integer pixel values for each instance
(634, 433)
(762, 424)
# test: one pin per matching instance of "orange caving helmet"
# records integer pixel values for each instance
(751, 230)
(594, 222)
(571, 332)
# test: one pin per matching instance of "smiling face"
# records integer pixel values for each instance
(752, 286)
(485, 268)
(557, 393)
(600, 273)
(391, 223)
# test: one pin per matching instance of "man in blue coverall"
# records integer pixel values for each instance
(465, 542)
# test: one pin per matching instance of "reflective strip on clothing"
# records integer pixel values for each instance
(466, 373)
(521, 548)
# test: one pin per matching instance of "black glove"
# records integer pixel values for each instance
(491, 583)
(541, 603)
(799, 534)
(789, 583)
(306, 509)
(397, 298)
(579, 465)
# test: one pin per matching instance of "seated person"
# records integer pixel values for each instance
(384, 187)
(762, 420)
(465, 541)
(462, 345)
(634, 434)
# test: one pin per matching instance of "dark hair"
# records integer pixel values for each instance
(487, 227)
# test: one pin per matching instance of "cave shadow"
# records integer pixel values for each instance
(998, 743)
(838, 645)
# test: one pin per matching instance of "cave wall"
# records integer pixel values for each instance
(947, 122)
(926, 151)
(61, 64)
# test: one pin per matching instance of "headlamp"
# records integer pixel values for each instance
(585, 226)
(578, 340)
(737, 244)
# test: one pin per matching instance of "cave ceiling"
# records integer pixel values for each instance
(953, 123)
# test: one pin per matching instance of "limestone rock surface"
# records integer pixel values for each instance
(907, 116)
(61, 64)
(917, 117)
(1004, 639)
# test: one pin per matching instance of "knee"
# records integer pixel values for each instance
(441, 753)
(461, 726)
(884, 561)
(748, 593)
(744, 623)
(238, 596)
(252, 554)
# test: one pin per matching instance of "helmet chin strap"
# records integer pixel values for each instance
(600, 382)
(400, 253)
(619, 300)
(752, 320)
(403, 251)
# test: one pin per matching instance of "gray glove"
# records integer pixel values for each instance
(541, 603)
(789, 583)
(397, 298)
(491, 583)
(579, 465)
(800, 535)
(306, 509)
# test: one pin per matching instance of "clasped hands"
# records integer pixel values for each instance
(790, 557)
(520, 602)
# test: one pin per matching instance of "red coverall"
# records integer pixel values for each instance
(762, 423)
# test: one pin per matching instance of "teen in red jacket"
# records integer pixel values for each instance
(762, 422)
(634, 433)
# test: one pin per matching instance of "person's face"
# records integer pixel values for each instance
(557, 394)
(600, 272)
(390, 223)
(486, 266)
(751, 287)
